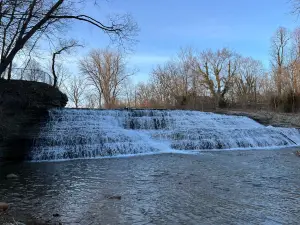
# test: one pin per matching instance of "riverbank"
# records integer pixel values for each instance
(290, 120)
(227, 187)
(23, 105)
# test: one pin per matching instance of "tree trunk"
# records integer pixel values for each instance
(3, 67)
(53, 71)
(99, 100)
(9, 71)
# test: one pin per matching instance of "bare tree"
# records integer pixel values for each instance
(164, 78)
(292, 69)
(75, 90)
(295, 6)
(64, 47)
(35, 72)
(246, 80)
(217, 70)
(9, 71)
(279, 48)
(24, 22)
(129, 93)
(91, 100)
(106, 71)
(62, 74)
(206, 82)
(176, 78)
(295, 38)
(146, 96)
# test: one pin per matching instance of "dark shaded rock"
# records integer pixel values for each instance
(17, 94)
(3, 206)
(14, 223)
(36, 222)
(56, 215)
(297, 153)
(115, 197)
(23, 106)
(12, 176)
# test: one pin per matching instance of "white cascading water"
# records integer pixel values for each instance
(71, 133)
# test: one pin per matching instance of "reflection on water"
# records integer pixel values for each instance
(239, 187)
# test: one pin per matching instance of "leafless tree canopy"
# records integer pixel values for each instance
(218, 70)
(75, 89)
(190, 75)
(24, 22)
(245, 85)
(64, 47)
(279, 46)
(191, 79)
(106, 71)
(227, 79)
(295, 6)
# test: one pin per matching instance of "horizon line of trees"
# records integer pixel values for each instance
(209, 80)
(200, 80)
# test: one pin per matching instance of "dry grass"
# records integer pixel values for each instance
(270, 118)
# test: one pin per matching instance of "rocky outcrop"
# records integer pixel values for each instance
(23, 106)
(11, 176)
(3, 206)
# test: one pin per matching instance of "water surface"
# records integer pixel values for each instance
(226, 187)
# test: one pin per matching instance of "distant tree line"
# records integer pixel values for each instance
(200, 80)
(192, 79)
(222, 78)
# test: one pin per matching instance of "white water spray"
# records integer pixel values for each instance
(71, 133)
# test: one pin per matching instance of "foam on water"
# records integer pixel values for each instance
(72, 134)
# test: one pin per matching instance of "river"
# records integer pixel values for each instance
(223, 187)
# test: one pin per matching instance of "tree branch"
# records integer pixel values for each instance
(90, 20)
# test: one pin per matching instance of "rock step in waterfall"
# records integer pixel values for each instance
(71, 133)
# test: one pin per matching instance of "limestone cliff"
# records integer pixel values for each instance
(23, 106)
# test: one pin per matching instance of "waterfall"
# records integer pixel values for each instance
(71, 133)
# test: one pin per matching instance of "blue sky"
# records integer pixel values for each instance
(168, 25)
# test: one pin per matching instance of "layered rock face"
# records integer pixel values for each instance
(23, 106)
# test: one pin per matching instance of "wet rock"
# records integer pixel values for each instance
(3, 206)
(12, 176)
(14, 223)
(23, 106)
(36, 222)
(115, 197)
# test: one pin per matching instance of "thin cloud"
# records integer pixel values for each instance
(148, 59)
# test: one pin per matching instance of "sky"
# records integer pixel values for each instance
(167, 25)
